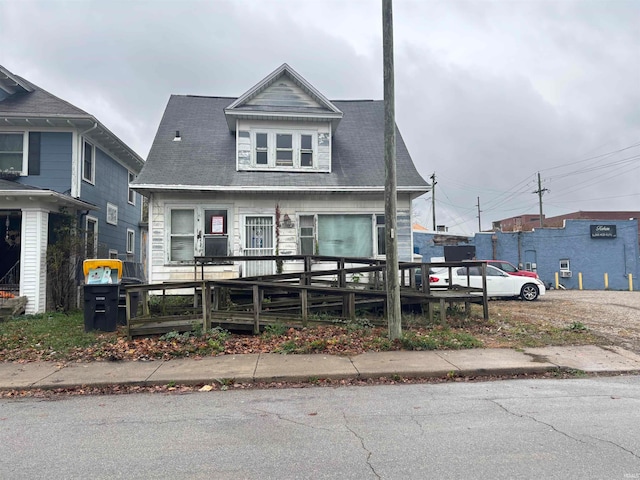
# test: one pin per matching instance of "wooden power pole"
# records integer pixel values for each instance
(540, 192)
(479, 220)
(394, 310)
(433, 199)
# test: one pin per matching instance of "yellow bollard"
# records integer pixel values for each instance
(579, 280)
(606, 281)
(631, 282)
(557, 281)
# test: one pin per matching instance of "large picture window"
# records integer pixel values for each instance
(345, 235)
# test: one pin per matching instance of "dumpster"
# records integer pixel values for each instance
(133, 274)
(101, 290)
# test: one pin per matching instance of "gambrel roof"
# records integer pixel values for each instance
(205, 157)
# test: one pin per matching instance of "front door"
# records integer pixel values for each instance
(258, 240)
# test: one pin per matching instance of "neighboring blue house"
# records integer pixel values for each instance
(55, 158)
(590, 247)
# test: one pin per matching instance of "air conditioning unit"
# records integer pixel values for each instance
(565, 273)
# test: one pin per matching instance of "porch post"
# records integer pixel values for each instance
(33, 259)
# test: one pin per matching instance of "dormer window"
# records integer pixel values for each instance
(262, 149)
(284, 150)
(306, 150)
(279, 149)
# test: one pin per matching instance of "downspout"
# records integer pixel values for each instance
(519, 249)
(494, 246)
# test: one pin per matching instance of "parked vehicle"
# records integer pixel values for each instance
(510, 268)
(499, 283)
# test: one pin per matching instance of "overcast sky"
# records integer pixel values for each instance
(488, 93)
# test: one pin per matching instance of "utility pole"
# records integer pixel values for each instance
(540, 191)
(479, 221)
(433, 199)
(394, 310)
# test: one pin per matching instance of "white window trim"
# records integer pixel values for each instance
(131, 194)
(272, 149)
(131, 248)
(25, 149)
(88, 219)
(111, 211)
(91, 180)
(199, 228)
(567, 263)
(113, 253)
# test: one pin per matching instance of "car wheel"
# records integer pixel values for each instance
(529, 292)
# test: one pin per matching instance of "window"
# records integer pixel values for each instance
(131, 240)
(273, 149)
(380, 231)
(91, 237)
(216, 238)
(345, 235)
(197, 231)
(284, 149)
(262, 152)
(306, 150)
(88, 162)
(564, 264)
(112, 214)
(307, 235)
(132, 193)
(182, 235)
(12, 152)
(113, 254)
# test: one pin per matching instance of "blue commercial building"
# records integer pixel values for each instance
(590, 248)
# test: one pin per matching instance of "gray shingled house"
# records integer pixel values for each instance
(55, 158)
(222, 171)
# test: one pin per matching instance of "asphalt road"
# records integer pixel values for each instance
(579, 428)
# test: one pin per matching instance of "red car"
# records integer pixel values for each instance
(510, 268)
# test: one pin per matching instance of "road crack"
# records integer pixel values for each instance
(362, 444)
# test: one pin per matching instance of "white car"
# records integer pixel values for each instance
(499, 283)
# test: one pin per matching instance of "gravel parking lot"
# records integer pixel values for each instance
(612, 314)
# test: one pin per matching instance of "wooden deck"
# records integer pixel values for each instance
(296, 298)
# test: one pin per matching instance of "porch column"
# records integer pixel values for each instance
(33, 259)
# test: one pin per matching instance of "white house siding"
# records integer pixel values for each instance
(250, 204)
(33, 259)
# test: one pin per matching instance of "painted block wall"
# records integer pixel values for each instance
(618, 257)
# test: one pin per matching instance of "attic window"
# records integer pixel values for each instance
(284, 149)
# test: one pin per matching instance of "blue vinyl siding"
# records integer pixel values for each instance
(55, 163)
(111, 185)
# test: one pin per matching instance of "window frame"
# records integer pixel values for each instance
(131, 193)
(272, 149)
(25, 150)
(92, 178)
(93, 220)
(567, 263)
(313, 236)
(111, 214)
(202, 229)
(380, 231)
(131, 241)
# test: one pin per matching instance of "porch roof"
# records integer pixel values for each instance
(15, 195)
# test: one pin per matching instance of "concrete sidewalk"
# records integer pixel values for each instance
(295, 368)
